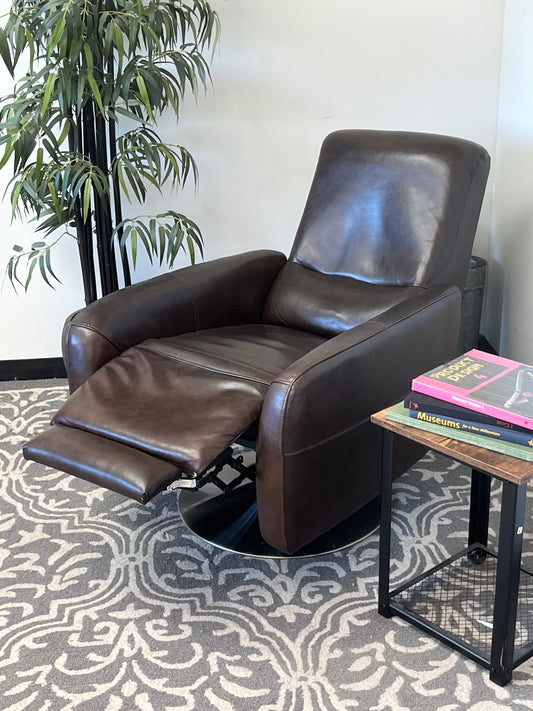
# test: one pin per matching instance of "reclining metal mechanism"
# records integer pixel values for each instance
(194, 481)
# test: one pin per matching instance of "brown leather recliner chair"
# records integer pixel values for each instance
(294, 353)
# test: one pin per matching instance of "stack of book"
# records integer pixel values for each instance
(479, 398)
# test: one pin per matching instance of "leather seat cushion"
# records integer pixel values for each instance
(186, 399)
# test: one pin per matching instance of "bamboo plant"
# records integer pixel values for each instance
(79, 129)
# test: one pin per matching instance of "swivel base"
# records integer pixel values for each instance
(229, 521)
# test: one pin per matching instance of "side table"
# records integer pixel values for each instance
(478, 602)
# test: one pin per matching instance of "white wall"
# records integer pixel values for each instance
(510, 296)
(287, 73)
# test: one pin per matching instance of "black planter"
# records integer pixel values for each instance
(472, 304)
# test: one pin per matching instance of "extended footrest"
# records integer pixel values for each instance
(126, 470)
(102, 461)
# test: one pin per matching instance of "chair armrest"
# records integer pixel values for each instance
(316, 413)
(215, 293)
(364, 369)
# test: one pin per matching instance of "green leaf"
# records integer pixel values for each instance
(122, 182)
(64, 133)
(119, 43)
(86, 199)
(5, 52)
(56, 36)
(43, 270)
(91, 79)
(33, 264)
(48, 264)
(31, 43)
(39, 164)
(55, 200)
(133, 241)
(48, 89)
(144, 96)
(7, 154)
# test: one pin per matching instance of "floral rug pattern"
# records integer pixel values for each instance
(108, 605)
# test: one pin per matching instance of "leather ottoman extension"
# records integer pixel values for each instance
(131, 415)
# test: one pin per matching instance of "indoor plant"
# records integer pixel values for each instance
(79, 128)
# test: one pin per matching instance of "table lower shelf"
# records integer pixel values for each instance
(454, 602)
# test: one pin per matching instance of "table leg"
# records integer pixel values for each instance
(479, 513)
(507, 581)
(385, 525)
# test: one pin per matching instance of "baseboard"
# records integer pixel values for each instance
(32, 369)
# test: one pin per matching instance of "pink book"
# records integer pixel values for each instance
(487, 383)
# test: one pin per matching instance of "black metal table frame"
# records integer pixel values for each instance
(502, 657)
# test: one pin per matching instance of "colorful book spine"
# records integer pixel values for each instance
(482, 382)
(398, 413)
(478, 428)
(432, 405)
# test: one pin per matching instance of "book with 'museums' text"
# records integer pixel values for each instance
(418, 402)
(519, 436)
(398, 413)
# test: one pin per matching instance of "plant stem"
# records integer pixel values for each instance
(105, 237)
(118, 203)
(93, 132)
(83, 230)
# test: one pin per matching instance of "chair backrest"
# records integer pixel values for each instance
(386, 208)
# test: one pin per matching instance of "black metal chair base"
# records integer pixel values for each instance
(229, 521)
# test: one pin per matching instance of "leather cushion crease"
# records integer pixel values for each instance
(167, 373)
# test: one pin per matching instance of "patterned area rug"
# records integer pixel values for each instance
(106, 605)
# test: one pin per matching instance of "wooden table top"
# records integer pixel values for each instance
(502, 466)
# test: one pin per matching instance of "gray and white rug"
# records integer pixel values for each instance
(106, 605)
